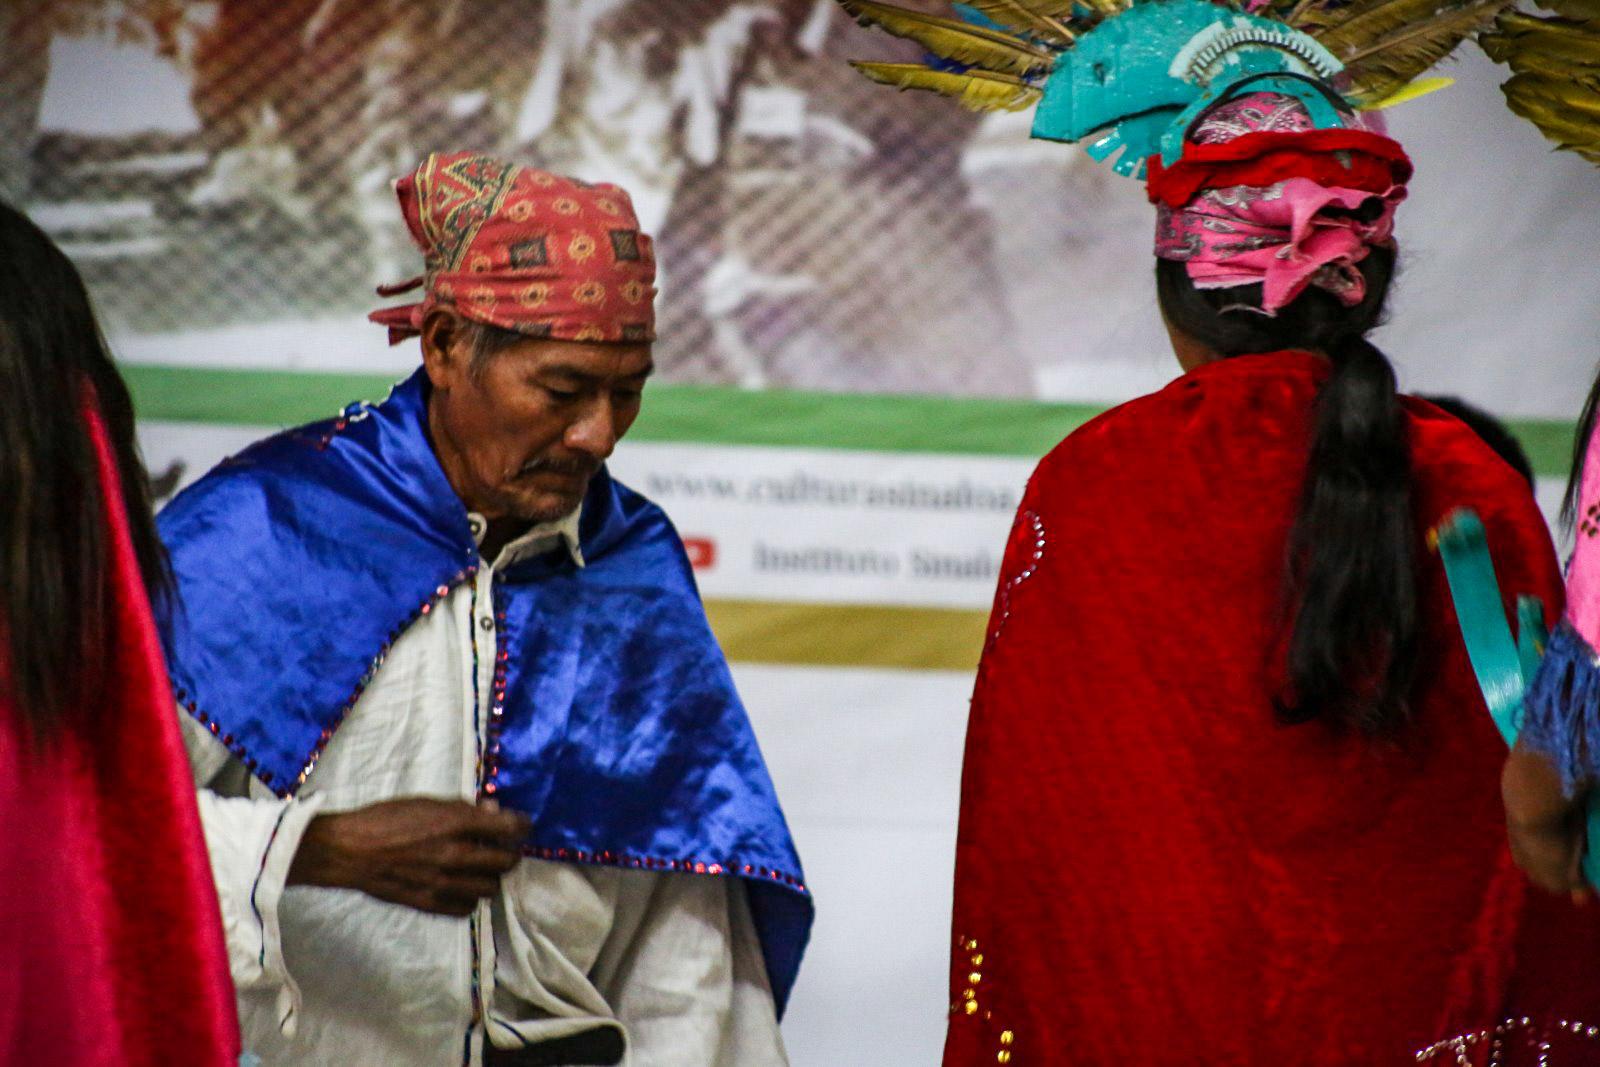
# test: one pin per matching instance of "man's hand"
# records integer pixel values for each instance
(1546, 829)
(439, 856)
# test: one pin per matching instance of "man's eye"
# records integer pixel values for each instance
(562, 395)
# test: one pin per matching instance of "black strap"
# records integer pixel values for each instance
(600, 1047)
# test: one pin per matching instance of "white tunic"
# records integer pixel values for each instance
(335, 977)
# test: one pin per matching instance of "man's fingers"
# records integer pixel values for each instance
(474, 886)
(478, 858)
(443, 894)
(456, 905)
(497, 826)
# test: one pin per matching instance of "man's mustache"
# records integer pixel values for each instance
(587, 468)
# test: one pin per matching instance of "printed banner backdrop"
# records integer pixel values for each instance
(878, 310)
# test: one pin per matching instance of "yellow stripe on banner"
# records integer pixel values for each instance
(848, 635)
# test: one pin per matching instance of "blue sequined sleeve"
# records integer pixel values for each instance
(1561, 712)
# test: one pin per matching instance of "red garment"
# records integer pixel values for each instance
(1349, 159)
(1150, 869)
(111, 945)
(524, 250)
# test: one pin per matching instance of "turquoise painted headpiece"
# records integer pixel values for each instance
(1138, 72)
(1128, 80)
(1145, 76)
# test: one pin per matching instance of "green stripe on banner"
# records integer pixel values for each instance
(672, 413)
(848, 635)
(708, 414)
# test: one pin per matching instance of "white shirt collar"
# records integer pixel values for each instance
(537, 540)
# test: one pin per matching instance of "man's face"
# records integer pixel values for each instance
(521, 433)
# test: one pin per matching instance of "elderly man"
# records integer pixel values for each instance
(475, 778)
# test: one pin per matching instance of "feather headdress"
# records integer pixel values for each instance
(1129, 76)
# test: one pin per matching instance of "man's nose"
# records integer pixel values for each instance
(594, 433)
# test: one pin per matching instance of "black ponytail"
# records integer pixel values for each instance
(1350, 576)
(1580, 451)
(1352, 565)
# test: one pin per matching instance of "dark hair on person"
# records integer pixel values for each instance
(1490, 430)
(1580, 450)
(486, 341)
(55, 622)
(1350, 576)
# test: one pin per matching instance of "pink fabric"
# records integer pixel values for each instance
(1280, 236)
(1285, 236)
(1253, 113)
(111, 943)
(1583, 573)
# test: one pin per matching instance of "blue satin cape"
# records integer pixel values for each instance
(616, 725)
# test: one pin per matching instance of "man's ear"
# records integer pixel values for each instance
(445, 348)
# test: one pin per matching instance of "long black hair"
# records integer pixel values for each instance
(1580, 449)
(54, 540)
(1350, 576)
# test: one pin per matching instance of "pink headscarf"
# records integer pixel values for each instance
(1261, 197)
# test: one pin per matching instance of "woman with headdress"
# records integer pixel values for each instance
(1230, 790)
(1223, 671)
(111, 946)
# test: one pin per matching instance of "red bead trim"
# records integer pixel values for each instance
(656, 863)
(267, 778)
(497, 703)
(357, 412)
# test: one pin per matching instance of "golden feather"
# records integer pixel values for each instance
(1577, 107)
(1556, 73)
(1367, 27)
(1560, 40)
(1568, 115)
(1383, 66)
(1304, 15)
(1581, 10)
(1541, 64)
(1107, 7)
(1050, 9)
(1020, 15)
(961, 42)
(976, 90)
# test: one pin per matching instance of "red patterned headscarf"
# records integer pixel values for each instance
(524, 250)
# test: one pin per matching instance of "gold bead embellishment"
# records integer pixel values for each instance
(969, 996)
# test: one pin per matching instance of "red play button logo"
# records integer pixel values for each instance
(702, 552)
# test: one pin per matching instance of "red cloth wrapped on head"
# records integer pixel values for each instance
(524, 250)
(1261, 197)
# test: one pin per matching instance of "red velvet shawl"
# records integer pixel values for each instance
(111, 944)
(1150, 869)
